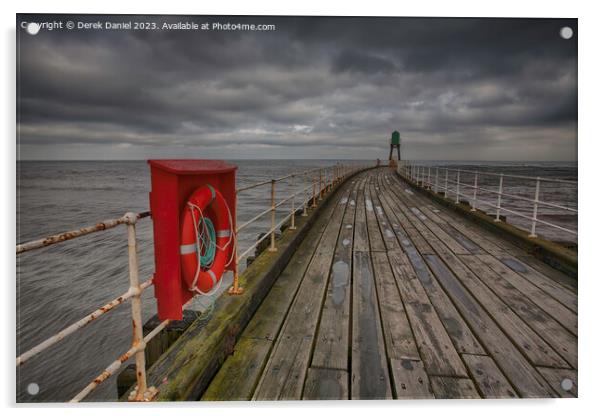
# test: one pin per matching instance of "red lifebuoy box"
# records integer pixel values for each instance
(173, 183)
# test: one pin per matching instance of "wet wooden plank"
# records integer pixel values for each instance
(435, 229)
(386, 229)
(332, 341)
(561, 340)
(563, 381)
(531, 343)
(464, 241)
(238, 376)
(361, 239)
(410, 381)
(369, 372)
(562, 279)
(565, 296)
(436, 348)
(376, 240)
(267, 321)
(454, 388)
(326, 384)
(257, 339)
(462, 337)
(489, 379)
(399, 339)
(285, 371)
(552, 281)
(527, 381)
(553, 307)
(484, 238)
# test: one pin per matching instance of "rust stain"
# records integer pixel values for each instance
(124, 357)
(105, 374)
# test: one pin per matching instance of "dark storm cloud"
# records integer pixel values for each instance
(321, 87)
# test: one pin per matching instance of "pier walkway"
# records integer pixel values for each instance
(393, 296)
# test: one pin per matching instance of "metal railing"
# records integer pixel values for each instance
(448, 180)
(316, 183)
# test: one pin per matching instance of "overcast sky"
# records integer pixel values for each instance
(459, 89)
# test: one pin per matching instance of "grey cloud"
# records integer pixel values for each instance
(455, 88)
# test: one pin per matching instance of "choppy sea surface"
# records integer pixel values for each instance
(58, 285)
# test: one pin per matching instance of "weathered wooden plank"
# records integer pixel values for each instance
(361, 239)
(515, 366)
(436, 348)
(410, 381)
(454, 388)
(480, 236)
(285, 371)
(332, 341)
(399, 339)
(563, 381)
(461, 335)
(238, 376)
(489, 379)
(376, 240)
(266, 323)
(561, 340)
(530, 342)
(282, 378)
(447, 239)
(553, 307)
(268, 319)
(565, 296)
(562, 279)
(326, 384)
(464, 241)
(426, 228)
(472, 233)
(387, 231)
(369, 372)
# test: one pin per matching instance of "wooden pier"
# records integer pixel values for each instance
(390, 295)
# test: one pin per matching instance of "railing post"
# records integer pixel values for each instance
(535, 204)
(437, 179)
(428, 179)
(141, 392)
(499, 199)
(445, 189)
(305, 199)
(458, 188)
(474, 196)
(273, 201)
(313, 192)
(235, 289)
(292, 182)
(320, 187)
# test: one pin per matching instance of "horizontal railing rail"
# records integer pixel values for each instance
(448, 180)
(316, 183)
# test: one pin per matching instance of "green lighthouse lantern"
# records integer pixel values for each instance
(395, 144)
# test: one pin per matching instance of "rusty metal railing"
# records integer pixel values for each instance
(317, 181)
(142, 391)
(448, 180)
